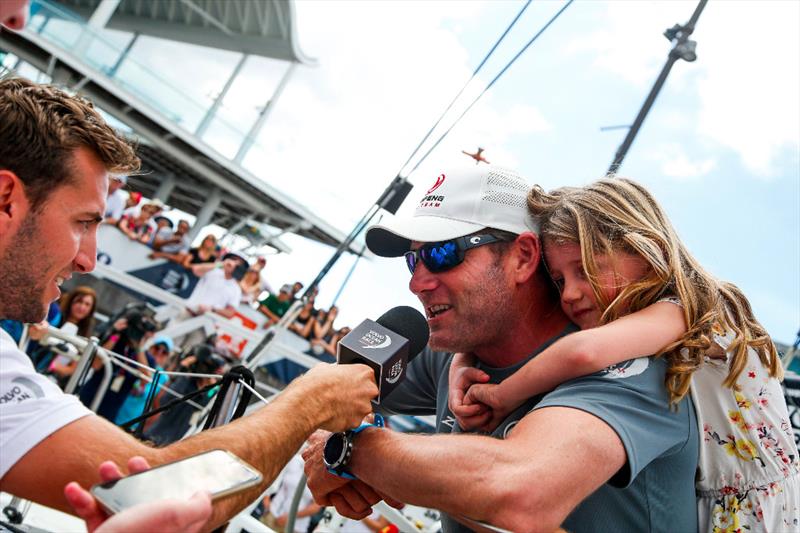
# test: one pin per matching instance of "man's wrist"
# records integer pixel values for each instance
(301, 393)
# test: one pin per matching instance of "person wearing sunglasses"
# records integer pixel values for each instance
(590, 455)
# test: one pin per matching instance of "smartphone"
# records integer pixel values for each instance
(217, 472)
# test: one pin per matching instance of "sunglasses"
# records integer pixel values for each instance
(441, 256)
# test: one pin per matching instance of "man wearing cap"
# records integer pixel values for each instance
(115, 202)
(600, 453)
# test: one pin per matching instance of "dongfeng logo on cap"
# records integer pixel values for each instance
(436, 185)
(395, 372)
(372, 340)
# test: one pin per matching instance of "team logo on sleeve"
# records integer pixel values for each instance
(626, 369)
(23, 389)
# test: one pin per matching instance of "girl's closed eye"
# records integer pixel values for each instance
(559, 283)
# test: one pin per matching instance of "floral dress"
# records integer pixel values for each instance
(748, 474)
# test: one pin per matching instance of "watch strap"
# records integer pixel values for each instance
(349, 437)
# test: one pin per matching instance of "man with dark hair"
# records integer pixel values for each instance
(56, 153)
(600, 453)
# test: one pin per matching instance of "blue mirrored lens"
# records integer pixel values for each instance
(439, 256)
(411, 261)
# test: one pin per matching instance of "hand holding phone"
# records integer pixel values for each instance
(217, 472)
(165, 516)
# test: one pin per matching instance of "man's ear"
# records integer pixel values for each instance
(527, 256)
(11, 197)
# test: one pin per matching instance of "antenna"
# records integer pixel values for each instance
(684, 49)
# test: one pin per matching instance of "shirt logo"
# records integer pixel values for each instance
(626, 369)
(23, 389)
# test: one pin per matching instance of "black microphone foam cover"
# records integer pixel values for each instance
(409, 323)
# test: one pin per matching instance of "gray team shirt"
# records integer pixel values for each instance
(654, 491)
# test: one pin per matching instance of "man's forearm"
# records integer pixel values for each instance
(410, 468)
(267, 439)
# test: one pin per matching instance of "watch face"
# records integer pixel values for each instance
(334, 450)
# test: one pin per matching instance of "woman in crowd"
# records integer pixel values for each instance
(251, 286)
(137, 225)
(77, 318)
(205, 253)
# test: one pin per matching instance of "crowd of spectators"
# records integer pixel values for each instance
(227, 280)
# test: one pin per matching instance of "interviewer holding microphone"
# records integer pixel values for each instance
(56, 154)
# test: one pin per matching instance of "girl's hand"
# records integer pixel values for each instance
(490, 395)
(469, 415)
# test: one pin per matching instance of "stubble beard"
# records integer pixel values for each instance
(22, 266)
(484, 314)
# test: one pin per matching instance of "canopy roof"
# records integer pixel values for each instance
(258, 27)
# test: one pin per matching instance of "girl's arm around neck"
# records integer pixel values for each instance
(585, 352)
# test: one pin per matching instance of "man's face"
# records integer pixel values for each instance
(114, 185)
(44, 248)
(229, 265)
(14, 13)
(466, 306)
(183, 228)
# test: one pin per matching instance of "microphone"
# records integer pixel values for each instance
(386, 345)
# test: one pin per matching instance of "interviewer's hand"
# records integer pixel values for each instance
(470, 415)
(343, 392)
(164, 516)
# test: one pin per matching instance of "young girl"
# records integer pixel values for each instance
(630, 284)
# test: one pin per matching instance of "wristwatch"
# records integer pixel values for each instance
(339, 448)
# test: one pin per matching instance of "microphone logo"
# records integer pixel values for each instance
(395, 373)
(372, 340)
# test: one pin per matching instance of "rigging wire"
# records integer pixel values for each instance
(457, 96)
(533, 39)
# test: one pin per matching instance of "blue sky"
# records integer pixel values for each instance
(720, 149)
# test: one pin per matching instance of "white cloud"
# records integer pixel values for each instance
(386, 71)
(746, 79)
(628, 41)
(750, 84)
(674, 162)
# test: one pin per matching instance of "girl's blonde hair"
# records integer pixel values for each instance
(618, 215)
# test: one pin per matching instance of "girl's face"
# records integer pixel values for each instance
(81, 307)
(577, 298)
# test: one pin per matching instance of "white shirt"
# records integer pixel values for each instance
(115, 203)
(215, 291)
(31, 406)
(282, 501)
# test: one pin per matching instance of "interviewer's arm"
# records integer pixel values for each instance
(267, 439)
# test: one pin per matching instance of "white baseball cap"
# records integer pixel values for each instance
(459, 202)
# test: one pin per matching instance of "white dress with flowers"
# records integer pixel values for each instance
(748, 474)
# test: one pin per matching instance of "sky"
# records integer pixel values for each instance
(720, 149)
